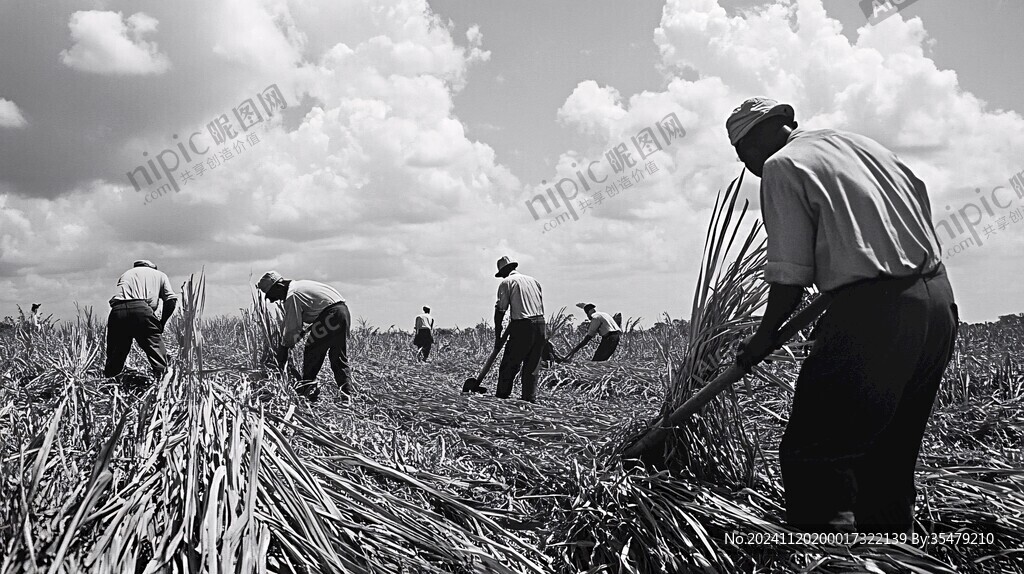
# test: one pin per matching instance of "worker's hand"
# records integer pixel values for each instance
(753, 349)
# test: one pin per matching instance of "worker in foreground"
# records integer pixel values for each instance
(133, 318)
(424, 334)
(521, 296)
(845, 214)
(602, 324)
(324, 309)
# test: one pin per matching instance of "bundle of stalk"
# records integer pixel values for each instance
(714, 444)
(191, 480)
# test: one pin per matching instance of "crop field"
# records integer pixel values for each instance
(222, 468)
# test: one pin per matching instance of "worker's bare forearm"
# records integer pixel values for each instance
(782, 301)
(499, 316)
(169, 306)
(582, 344)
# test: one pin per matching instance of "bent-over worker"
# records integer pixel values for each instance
(133, 317)
(325, 310)
(603, 324)
(844, 213)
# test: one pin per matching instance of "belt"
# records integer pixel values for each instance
(128, 302)
(328, 308)
(534, 319)
(883, 278)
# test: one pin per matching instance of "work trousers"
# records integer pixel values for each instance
(134, 320)
(328, 336)
(526, 338)
(862, 402)
(609, 343)
(423, 340)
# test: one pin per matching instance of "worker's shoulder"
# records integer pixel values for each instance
(810, 150)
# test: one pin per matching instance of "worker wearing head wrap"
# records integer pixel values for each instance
(845, 214)
(424, 337)
(325, 311)
(133, 317)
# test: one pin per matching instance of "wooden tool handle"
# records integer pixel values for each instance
(734, 373)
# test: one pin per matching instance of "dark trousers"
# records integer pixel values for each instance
(133, 321)
(423, 341)
(863, 399)
(526, 338)
(609, 343)
(328, 336)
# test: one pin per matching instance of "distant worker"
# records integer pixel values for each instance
(133, 317)
(520, 295)
(424, 334)
(600, 324)
(845, 214)
(35, 319)
(324, 309)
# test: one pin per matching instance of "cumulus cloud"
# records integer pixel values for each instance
(883, 84)
(10, 115)
(107, 43)
(376, 188)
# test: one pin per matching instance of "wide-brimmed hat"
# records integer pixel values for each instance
(144, 263)
(750, 113)
(505, 265)
(269, 279)
(585, 306)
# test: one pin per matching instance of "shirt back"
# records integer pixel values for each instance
(601, 324)
(143, 283)
(839, 207)
(424, 321)
(521, 296)
(303, 304)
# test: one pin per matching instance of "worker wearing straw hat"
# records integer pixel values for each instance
(602, 324)
(325, 310)
(133, 317)
(521, 296)
(424, 334)
(843, 213)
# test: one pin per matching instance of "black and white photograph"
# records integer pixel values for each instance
(511, 286)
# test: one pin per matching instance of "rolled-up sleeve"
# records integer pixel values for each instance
(790, 226)
(166, 291)
(503, 297)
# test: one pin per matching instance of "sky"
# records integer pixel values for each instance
(396, 149)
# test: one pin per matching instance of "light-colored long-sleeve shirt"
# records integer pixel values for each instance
(143, 283)
(839, 207)
(521, 296)
(303, 304)
(424, 321)
(601, 324)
